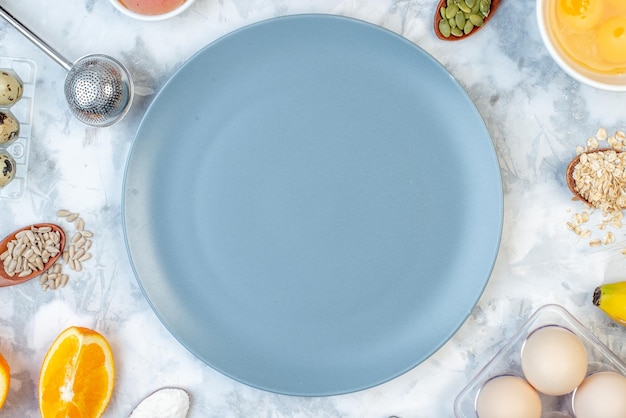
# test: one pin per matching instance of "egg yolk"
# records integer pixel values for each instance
(592, 33)
(617, 5)
(611, 38)
(582, 14)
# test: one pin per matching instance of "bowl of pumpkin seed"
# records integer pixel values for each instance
(457, 19)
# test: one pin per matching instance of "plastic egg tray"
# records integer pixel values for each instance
(23, 112)
(508, 361)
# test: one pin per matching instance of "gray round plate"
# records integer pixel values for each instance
(301, 211)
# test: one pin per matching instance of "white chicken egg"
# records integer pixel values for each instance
(554, 360)
(508, 397)
(601, 394)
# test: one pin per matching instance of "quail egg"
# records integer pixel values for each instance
(9, 127)
(11, 87)
(7, 169)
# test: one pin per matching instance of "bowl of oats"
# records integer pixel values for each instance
(597, 174)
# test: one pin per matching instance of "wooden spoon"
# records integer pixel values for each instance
(569, 173)
(5, 279)
(442, 3)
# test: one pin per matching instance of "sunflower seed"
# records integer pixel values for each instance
(81, 242)
(85, 257)
(79, 253)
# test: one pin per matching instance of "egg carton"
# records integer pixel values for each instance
(508, 361)
(23, 112)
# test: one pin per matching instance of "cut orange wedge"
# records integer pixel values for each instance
(77, 375)
(5, 379)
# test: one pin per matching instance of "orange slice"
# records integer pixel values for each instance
(77, 375)
(5, 379)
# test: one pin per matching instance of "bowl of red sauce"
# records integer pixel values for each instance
(152, 9)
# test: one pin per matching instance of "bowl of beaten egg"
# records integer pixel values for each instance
(587, 39)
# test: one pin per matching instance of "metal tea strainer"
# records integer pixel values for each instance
(98, 88)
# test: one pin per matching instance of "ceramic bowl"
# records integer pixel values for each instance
(572, 68)
(119, 6)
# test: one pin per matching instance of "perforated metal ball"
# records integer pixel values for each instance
(98, 90)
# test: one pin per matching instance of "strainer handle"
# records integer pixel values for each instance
(51, 52)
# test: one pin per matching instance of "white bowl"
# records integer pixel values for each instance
(600, 81)
(119, 6)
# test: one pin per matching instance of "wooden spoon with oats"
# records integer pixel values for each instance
(29, 251)
(571, 180)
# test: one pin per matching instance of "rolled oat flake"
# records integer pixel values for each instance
(164, 403)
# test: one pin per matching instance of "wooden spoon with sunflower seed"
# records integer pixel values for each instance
(606, 188)
(457, 19)
(29, 251)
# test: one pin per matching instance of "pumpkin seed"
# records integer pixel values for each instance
(452, 10)
(476, 7)
(456, 32)
(442, 11)
(469, 26)
(476, 20)
(460, 20)
(470, 3)
(464, 7)
(485, 7)
(444, 28)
